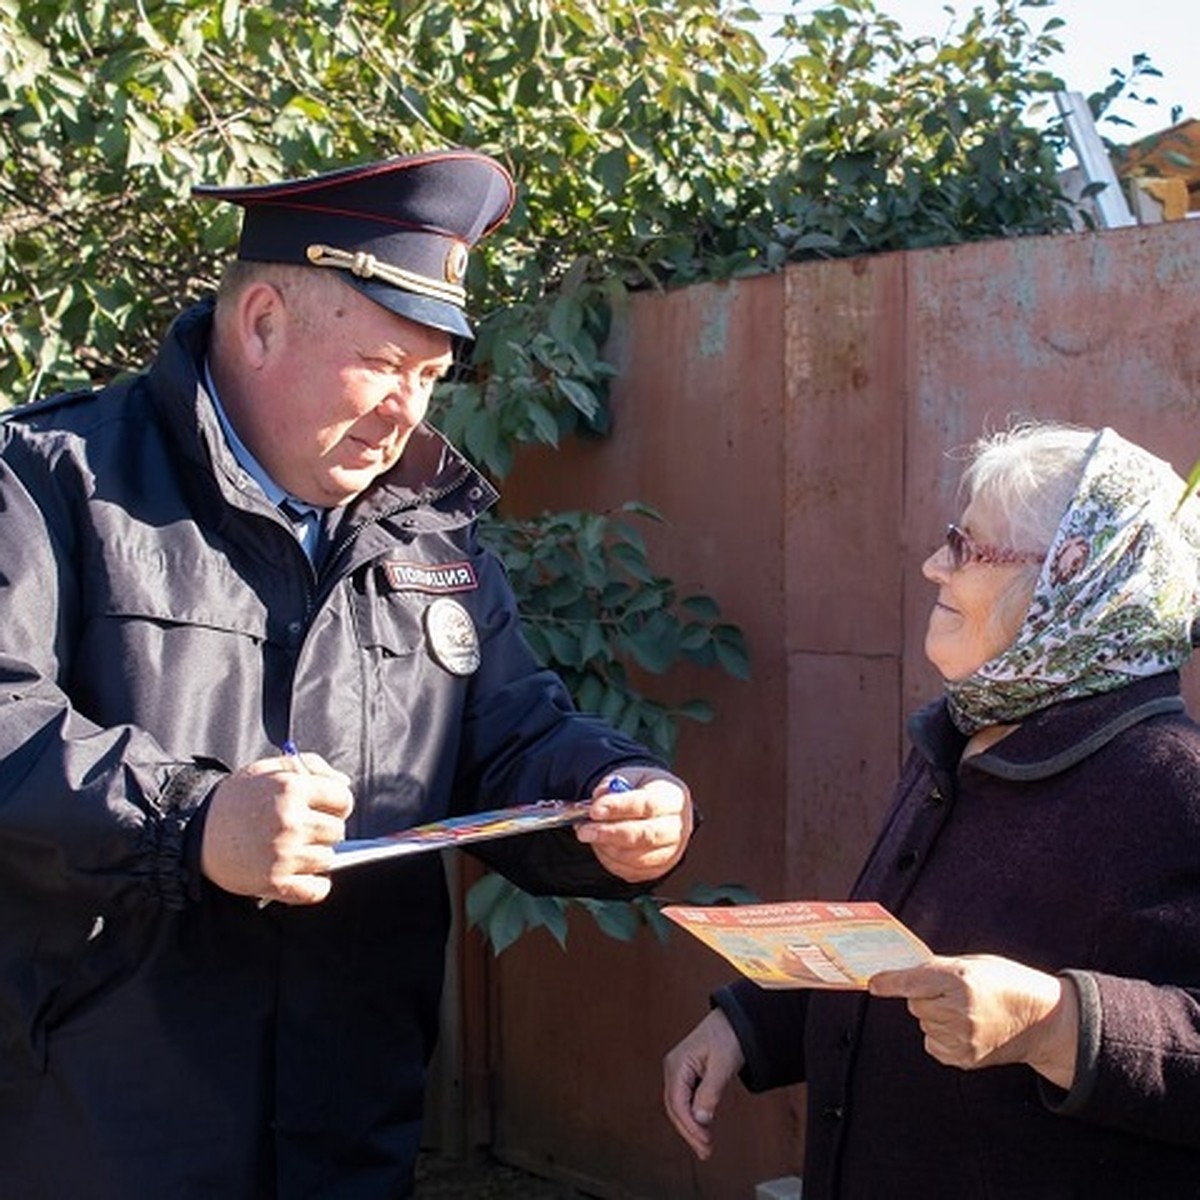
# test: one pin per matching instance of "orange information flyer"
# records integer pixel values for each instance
(805, 944)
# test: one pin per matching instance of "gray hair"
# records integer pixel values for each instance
(287, 277)
(1027, 475)
(308, 290)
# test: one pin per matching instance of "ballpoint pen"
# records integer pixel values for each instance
(290, 751)
(292, 754)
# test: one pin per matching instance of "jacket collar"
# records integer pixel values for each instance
(1053, 739)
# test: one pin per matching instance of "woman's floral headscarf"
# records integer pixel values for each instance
(1115, 598)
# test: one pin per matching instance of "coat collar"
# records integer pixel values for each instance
(1053, 739)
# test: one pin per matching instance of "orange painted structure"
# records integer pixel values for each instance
(793, 430)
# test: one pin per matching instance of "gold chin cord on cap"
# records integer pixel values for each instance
(367, 266)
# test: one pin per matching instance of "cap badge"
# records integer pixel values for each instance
(456, 262)
(452, 638)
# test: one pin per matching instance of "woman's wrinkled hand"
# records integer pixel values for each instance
(695, 1075)
(980, 1010)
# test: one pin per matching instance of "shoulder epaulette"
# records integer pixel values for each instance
(47, 404)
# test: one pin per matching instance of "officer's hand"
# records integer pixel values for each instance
(642, 833)
(271, 826)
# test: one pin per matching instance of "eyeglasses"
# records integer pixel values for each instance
(964, 549)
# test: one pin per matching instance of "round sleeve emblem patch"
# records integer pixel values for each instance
(453, 641)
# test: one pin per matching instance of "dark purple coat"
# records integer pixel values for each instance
(1073, 845)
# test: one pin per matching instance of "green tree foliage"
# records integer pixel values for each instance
(655, 142)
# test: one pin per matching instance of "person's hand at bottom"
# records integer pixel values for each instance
(695, 1075)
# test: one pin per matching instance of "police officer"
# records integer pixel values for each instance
(247, 616)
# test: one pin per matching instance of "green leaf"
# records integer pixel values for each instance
(661, 926)
(594, 642)
(1193, 480)
(580, 395)
(705, 608)
(697, 710)
(731, 652)
(548, 912)
(653, 648)
(544, 424)
(563, 645)
(483, 896)
(566, 319)
(506, 923)
(616, 918)
(613, 169)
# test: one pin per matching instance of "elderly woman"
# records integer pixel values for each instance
(1044, 841)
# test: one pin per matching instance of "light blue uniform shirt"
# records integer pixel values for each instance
(304, 518)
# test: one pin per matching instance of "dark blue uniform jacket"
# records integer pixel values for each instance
(160, 627)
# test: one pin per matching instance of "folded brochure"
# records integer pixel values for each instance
(805, 944)
(458, 831)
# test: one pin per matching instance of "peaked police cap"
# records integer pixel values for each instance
(398, 230)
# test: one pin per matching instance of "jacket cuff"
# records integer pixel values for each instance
(752, 1074)
(179, 831)
(1087, 1053)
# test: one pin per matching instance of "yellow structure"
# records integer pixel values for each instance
(1166, 167)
